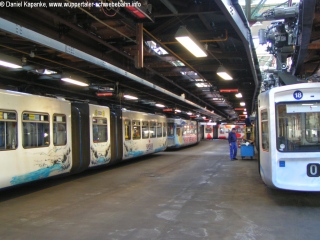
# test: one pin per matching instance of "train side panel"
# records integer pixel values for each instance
(182, 132)
(80, 137)
(209, 131)
(100, 138)
(35, 141)
(116, 133)
(143, 134)
(91, 136)
(224, 129)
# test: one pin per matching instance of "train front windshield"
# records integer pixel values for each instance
(298, 127)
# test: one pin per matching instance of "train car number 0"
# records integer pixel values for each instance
(313, 170)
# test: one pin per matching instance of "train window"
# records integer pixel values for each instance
(99, 129)
(36, 130)
(159, 129)
(164, 129)
(145, 129)
(298, 129)
(127, 129)
(8, 130)
(59, 130)
(153, 129)
(170, 129)
(136, 129)
(264, 130)
(186, 130)
(178, 131)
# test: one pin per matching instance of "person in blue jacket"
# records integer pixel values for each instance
(232, 139)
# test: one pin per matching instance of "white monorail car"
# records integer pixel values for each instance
(144, 133)
(289, 137)
(182, 133)
(34, 140)
(41, 137)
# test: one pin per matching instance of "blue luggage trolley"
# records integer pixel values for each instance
(247, 151)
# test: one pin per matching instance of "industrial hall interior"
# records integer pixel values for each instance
(132, 54)
(160, 119)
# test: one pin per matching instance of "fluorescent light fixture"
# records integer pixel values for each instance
(238, 95)
(189, 113)
(9, 65)
(159, 105)
(177, 110)
(130, 97)
(222, 72)
(10, 62)
(242, 104)
(244, 112)
(189, 42)
(73, 81)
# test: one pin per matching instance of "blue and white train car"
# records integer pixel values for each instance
(35, 137)
(143, 134)
(182, 133)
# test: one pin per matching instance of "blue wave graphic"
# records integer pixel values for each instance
(36, 175)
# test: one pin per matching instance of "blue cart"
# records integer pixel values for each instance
(247, 151)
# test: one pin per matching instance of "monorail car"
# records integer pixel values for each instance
(182, 133)
(221, 131)
(144, 133)
(41, 137)
(289, 137)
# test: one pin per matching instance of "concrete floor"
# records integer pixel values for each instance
(194, 193)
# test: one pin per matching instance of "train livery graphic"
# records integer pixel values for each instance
(41, 137)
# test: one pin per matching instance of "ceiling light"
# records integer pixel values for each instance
(242, 104)
(222, 72)
(77, 80)
(130, 97)
(9, 62)
(238, 95)
(189, 42)
(177, 110)
(160, 105)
